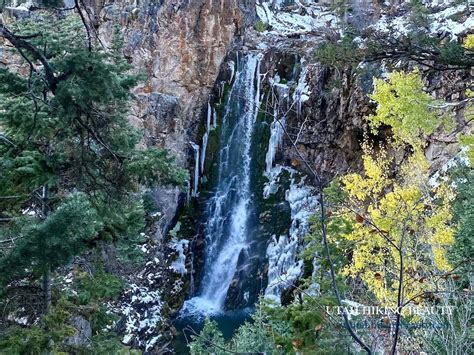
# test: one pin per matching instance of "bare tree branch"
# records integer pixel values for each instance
(323, 221)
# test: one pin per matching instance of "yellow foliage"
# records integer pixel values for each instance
(400, 222)
(469, 41)
(398, 214)
(404, 106)
(375, 178)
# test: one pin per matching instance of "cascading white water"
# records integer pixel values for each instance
(227, 209)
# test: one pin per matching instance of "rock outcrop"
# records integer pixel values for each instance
(179, 47)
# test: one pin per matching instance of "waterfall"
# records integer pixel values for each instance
(228, 208)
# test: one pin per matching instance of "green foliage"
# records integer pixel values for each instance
(340, 54)
(209, 341)
(419, 45)
(109, 344)
(83, 126)
(76, 168)
(468, 141)
(92, 293)
(260, 26)
(100, 287)
(340, 7)
(49, 334)
(53, 242)
(254, 336)
(462, 251)
(452, 333)
(419, 14)
(451, 52)
(155, 166)
(251, 337)
(297, 327)
(72, 134)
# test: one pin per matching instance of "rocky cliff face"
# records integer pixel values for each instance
(186, 50)
(179, 46)
(328, 124)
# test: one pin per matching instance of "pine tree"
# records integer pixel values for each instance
(71, 171)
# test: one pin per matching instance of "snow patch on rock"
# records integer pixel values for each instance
(179, 265)
(297, 19)
(142, 315)
(440, 21)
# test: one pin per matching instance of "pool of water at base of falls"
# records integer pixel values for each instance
(227, 322)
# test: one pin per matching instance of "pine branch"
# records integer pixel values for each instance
(21, 44)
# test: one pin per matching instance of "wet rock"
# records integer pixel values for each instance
(83, 335)
(247, 284)
(179, 45)
(168, 201)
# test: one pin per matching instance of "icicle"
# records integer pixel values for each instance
(205, 137)
(203, 150)
(272, 185)
(188, 192)
(276, 137)
(214, 118)
(209, 114)
(221, 90)
(302, 92)
(284, 267)
(231, 66)
(196, 168)
(277, 126)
